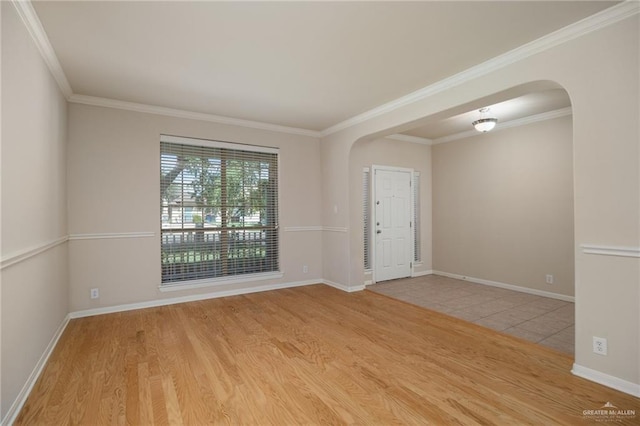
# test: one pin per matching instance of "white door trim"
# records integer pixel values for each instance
(372, 238)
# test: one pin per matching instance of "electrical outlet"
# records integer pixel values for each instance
(95, 293)
(599, 345)
(549, 279)
(305, 269)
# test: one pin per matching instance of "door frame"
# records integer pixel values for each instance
(372, 208)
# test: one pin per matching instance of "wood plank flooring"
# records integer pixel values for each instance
(308, 355)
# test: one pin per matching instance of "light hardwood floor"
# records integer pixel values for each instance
(308, 355)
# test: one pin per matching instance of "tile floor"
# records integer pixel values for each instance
(546, 321)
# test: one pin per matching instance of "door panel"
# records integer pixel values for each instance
(386, 252)
(393, 224)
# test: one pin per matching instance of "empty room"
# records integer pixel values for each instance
(320, 212)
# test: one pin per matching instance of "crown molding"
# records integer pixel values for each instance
(592, 23)
(585, 26)
(31, 21)
(173, 112)
(36, 30)
(507, 125)
(409, 138)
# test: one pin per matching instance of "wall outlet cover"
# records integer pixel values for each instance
(599, 345)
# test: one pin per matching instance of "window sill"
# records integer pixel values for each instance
(216, 282)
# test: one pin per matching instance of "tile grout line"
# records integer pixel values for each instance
(415, 294)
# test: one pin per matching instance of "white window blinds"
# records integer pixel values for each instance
(417, 252)
(219, 209)
(366, 217)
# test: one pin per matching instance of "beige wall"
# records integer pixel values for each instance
(394, 153)
(114, 187)
(600, 72)
(503, 206)
(34, 290)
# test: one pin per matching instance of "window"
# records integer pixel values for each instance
(417, 252)
(366, 218)
(219, 209)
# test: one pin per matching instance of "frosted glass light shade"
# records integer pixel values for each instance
(485, 124)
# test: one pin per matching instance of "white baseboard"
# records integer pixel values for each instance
(205, 296)
(606, 380)
(343, 287)
(422, 273)
(508, 286)
(578, 370)
(15, 408)
(413, 275)
(190, 298)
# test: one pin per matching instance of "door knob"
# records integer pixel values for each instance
(378, 232)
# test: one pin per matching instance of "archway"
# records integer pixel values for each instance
(605, 127)
(507, 242)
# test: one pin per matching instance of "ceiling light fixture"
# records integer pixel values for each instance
(484, 124)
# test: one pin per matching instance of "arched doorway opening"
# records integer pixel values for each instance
(495, 220)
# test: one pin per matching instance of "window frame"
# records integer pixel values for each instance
(233, 277)
(417, 223)
(366, 219)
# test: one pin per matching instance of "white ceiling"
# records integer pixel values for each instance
(307, 65)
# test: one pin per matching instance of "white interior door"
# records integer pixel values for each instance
(392, 221)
